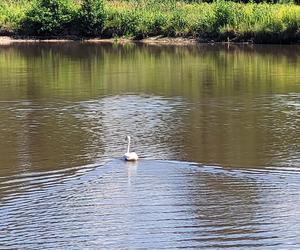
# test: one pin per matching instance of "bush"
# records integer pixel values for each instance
(157, 23)
(12, 14)
(224, 13)
(49, 17)
(122, 23)
(91, 17)
(220, 20)
(205, 23)
(178, 24)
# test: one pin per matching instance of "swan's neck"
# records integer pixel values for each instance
(128, 146)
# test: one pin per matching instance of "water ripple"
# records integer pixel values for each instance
(174, 204)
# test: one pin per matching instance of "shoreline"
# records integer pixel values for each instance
(6, 40)
(156, 40)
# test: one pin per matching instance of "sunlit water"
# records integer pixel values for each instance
(216, 127)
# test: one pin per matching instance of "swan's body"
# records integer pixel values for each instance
(130, 156)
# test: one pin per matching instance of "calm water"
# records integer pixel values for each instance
(217, 128)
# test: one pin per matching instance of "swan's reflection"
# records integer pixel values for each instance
(131, 170)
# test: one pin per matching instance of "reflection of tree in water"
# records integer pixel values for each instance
(220, 132)
(85, 70)
(39, 137)
(219, 119)
(48, 137)
(250, 132)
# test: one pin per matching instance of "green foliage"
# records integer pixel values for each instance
(224, 13)
(49, 17)
(219, 20)
(206, 21)
(12, 15)
(122, 23)
(91, 17)
(158, 23)
(178, 24)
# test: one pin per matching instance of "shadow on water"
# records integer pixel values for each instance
(152, 204)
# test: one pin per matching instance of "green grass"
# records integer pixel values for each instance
(220, 20)
(12, 14)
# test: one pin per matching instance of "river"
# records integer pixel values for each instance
(216, 128)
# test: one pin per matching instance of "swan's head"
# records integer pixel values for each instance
(127, 138)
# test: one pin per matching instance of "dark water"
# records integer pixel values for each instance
(217, 128)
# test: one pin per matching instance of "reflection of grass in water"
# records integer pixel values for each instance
(79, 71)
(219, 20)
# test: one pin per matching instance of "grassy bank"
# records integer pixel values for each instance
(218, 21)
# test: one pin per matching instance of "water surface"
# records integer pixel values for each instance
(216, 127)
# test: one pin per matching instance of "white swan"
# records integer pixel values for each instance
(130, 156)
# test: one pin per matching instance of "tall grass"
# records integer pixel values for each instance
(220, 20)
(12, 14)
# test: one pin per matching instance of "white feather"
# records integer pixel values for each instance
(130, 156)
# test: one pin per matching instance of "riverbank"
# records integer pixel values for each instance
(159, 40)
(151, 21)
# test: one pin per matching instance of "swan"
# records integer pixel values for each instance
(130, 156)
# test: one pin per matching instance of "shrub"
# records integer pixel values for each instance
(91, 17)
(224, 12)
(178, 24)
(158, 22)
(122, 23)
(11, 15)
(206, 23)
(49, 17)
(219, 20)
